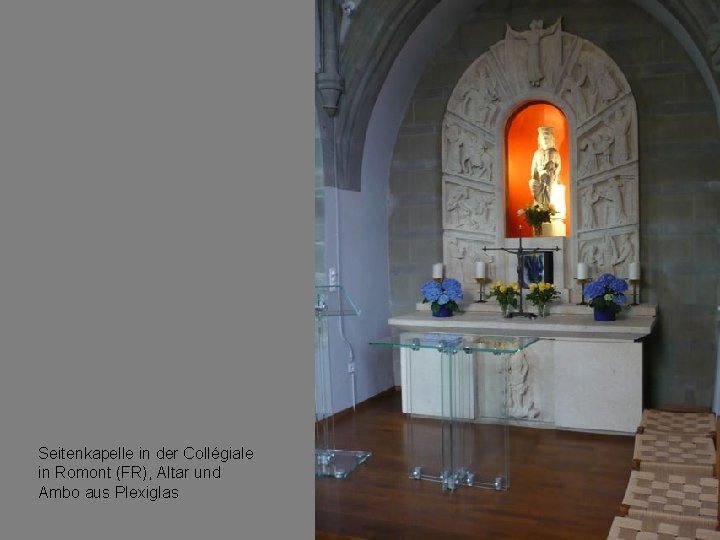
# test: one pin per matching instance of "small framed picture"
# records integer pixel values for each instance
(537, 266)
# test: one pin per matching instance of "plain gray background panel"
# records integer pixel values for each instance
(156, 261)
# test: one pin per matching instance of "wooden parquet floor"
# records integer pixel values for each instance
(563, 485)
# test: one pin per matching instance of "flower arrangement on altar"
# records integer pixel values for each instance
(541, 293)
(443, 296)
(505, 293)
(605, 294)
(537, 214)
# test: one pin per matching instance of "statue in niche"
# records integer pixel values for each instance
(519, 404)
(545, 167)
(533, 38)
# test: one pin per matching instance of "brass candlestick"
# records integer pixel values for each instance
(438, 279)
(634, 283)
(582, 282)
(481, 282)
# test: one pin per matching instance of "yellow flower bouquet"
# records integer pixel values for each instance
(536, 215)
(506, 293)
(542, 293)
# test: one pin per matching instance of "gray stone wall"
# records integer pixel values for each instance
(679, 152)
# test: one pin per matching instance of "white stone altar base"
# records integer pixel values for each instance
(582, 374)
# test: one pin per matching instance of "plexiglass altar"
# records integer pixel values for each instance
(331, 302)
(456, 389)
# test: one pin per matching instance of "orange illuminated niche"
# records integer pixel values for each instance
(520, 144)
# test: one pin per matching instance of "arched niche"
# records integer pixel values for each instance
(521, 142)
(541, 65)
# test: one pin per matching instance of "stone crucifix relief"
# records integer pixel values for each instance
(529, 44)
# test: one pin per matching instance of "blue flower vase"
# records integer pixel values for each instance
(604, 314)
(443, 311)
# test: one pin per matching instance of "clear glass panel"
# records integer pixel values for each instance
(455, 393)
(330, 301)
(333, 301)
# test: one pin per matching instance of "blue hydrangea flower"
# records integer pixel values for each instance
(431, 291)
(594, 289)
(618, 285)
(452, 289)
(446, 293)
(606, 292)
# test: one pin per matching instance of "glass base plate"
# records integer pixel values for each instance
(338, 463)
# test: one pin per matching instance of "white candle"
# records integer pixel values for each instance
(634, 271)
(437, 270)
(480, 269)
(582, 271)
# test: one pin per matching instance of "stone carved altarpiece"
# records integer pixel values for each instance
(545, 64)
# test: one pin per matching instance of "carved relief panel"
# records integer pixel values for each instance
(468, 208)
(461, 251)
(610, 251)
(607, 142)
(478, 99)
(467, 152)
(608, 202)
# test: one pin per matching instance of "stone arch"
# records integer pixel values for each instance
(544, 64)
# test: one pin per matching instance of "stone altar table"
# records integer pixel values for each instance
(581, 374)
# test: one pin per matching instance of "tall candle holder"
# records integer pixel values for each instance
(481, 282)
(582, 282)
(635, 283)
